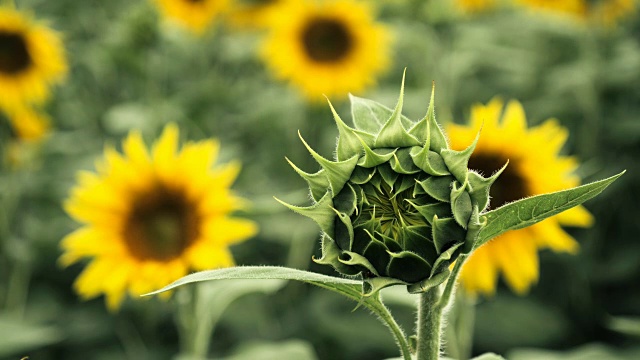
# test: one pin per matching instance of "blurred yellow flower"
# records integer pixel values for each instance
(28, 124)
(327, 48)
(151, 218)
(475, 6)
(599, 12)
(194, 15)
(535, 167)
(569, 7)
(31, 59)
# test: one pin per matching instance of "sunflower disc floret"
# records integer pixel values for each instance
(396, 206)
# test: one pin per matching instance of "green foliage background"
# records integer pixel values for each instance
(130, 72)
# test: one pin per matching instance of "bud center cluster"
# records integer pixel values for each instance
(391, 210)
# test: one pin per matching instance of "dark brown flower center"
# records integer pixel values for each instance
(161, 225)
(510, 185)
(326, 40)
(14, 55)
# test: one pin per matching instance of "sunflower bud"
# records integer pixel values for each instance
(397, 205)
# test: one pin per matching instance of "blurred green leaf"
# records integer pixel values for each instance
(18, 337)
(488, 356)
(626, 325)
(214, 297)
(526, 212)
(398, 295)
(292, 349)
(587, 352)
(508, 320)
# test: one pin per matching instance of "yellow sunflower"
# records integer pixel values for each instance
(28, 124)
(31, 59)
(151, 218)
(475, 6)
(195, 15)
(535, 167)
(326, 48)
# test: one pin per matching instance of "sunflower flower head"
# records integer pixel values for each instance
(326, 48)
(194, 15)
(31, 59)
(535, 167)
(397, 205)
(151, 217)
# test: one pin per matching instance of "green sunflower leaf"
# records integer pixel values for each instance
(264, 272)
(526, 212)
(351, 289)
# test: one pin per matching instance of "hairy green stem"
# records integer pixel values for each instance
(429, 329)
(430, 313)
(377, 307)
(451, 283)
(401, 340)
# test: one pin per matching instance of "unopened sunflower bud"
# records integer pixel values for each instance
(397, 205)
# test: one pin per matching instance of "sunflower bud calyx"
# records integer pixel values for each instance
(396, 206)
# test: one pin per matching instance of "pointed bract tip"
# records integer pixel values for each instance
(433, 91)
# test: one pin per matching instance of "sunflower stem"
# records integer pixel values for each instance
(459, 332)
(451, 283)
(378, 308)
(431, 309)
(14, 250)
(429, 325)
(194, 330)
(390, 321)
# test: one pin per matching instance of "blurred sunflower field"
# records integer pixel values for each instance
(144, 140)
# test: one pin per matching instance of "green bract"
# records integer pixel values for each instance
(396, 205)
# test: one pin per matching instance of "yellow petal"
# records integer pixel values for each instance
(550, 234)
(517, 256)
(479, 273)
(164, 153)
(89, 241)
(487, 115)
(226, 231)
(514, 119)
(577, 216)
(210, 256)
(136, 151)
